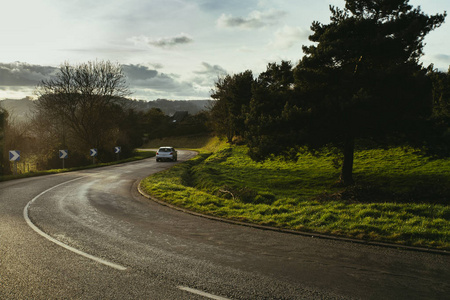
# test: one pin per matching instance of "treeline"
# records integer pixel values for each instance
(23, 109)
(170, 107)
(245, 104)
(82, 108)
(359, 83)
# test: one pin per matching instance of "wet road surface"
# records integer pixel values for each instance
(96, 237)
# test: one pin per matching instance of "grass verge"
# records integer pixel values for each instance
(402, 197)
(139, 155)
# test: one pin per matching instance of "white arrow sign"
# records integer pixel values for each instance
(14, 155)
(94, 152)
(117, 149)
(63, 153)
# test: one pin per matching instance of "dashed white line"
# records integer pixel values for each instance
(48, 237)
(201, 293)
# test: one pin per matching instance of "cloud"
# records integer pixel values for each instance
(443, 58)
(18, 80)
(205, 78)
(214, 5)
(139, 72)
(440, 62)
(211, 70)
(23, 74)
(288, 36)
(151, 84)
(166, 42)
(157, 65)
(254, 20)
(140, 76)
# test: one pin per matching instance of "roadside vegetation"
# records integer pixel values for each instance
(401, 196)
(138, 155)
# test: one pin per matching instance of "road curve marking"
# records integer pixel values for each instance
(48, 237)
(201, 293)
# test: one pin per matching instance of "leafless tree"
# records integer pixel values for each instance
(83, 103)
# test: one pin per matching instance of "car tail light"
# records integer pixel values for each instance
(171, 153)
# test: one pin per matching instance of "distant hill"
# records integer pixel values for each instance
(19, 110)
(169, 107)
(22, 110)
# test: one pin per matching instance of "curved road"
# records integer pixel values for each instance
(90, 235)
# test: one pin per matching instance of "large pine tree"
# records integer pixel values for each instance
(362, 77)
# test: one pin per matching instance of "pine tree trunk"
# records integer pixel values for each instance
(346, 177)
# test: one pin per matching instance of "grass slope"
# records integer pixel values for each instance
(188, 141)
(401, 197)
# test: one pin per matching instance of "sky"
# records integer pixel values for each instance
(169, 49)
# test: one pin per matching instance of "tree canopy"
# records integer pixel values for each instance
(438, 136)
(360, 79)
(233, 95)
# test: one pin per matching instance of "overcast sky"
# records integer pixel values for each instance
(172, 49)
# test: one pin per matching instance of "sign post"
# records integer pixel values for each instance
(14, 155)
(93, 154)
(63, 154)
(117, 150)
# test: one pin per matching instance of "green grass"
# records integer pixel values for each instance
(138, 156)
(401, 196)
(188, 142)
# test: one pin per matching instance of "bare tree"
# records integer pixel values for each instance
(83, 102)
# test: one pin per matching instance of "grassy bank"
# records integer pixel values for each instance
(401, 197)
(138, 156)
(187, 142)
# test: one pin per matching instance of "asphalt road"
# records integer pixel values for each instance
(91, 235)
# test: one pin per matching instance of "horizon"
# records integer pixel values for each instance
(132, 99)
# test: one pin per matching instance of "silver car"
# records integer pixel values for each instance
(166, 153)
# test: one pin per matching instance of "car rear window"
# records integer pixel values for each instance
(165, 149)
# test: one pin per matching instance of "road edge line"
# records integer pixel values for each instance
(50, 238)
(201, 293)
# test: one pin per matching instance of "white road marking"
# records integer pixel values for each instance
(48, 237)
(200, 293)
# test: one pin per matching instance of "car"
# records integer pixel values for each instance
(166, 153)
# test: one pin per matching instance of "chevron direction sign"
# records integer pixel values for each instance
(14, 155)
(117, 150)
(94, 152)
(63, 154)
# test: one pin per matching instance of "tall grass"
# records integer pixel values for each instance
(402, 197)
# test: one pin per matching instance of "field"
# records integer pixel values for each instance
(400, 196)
